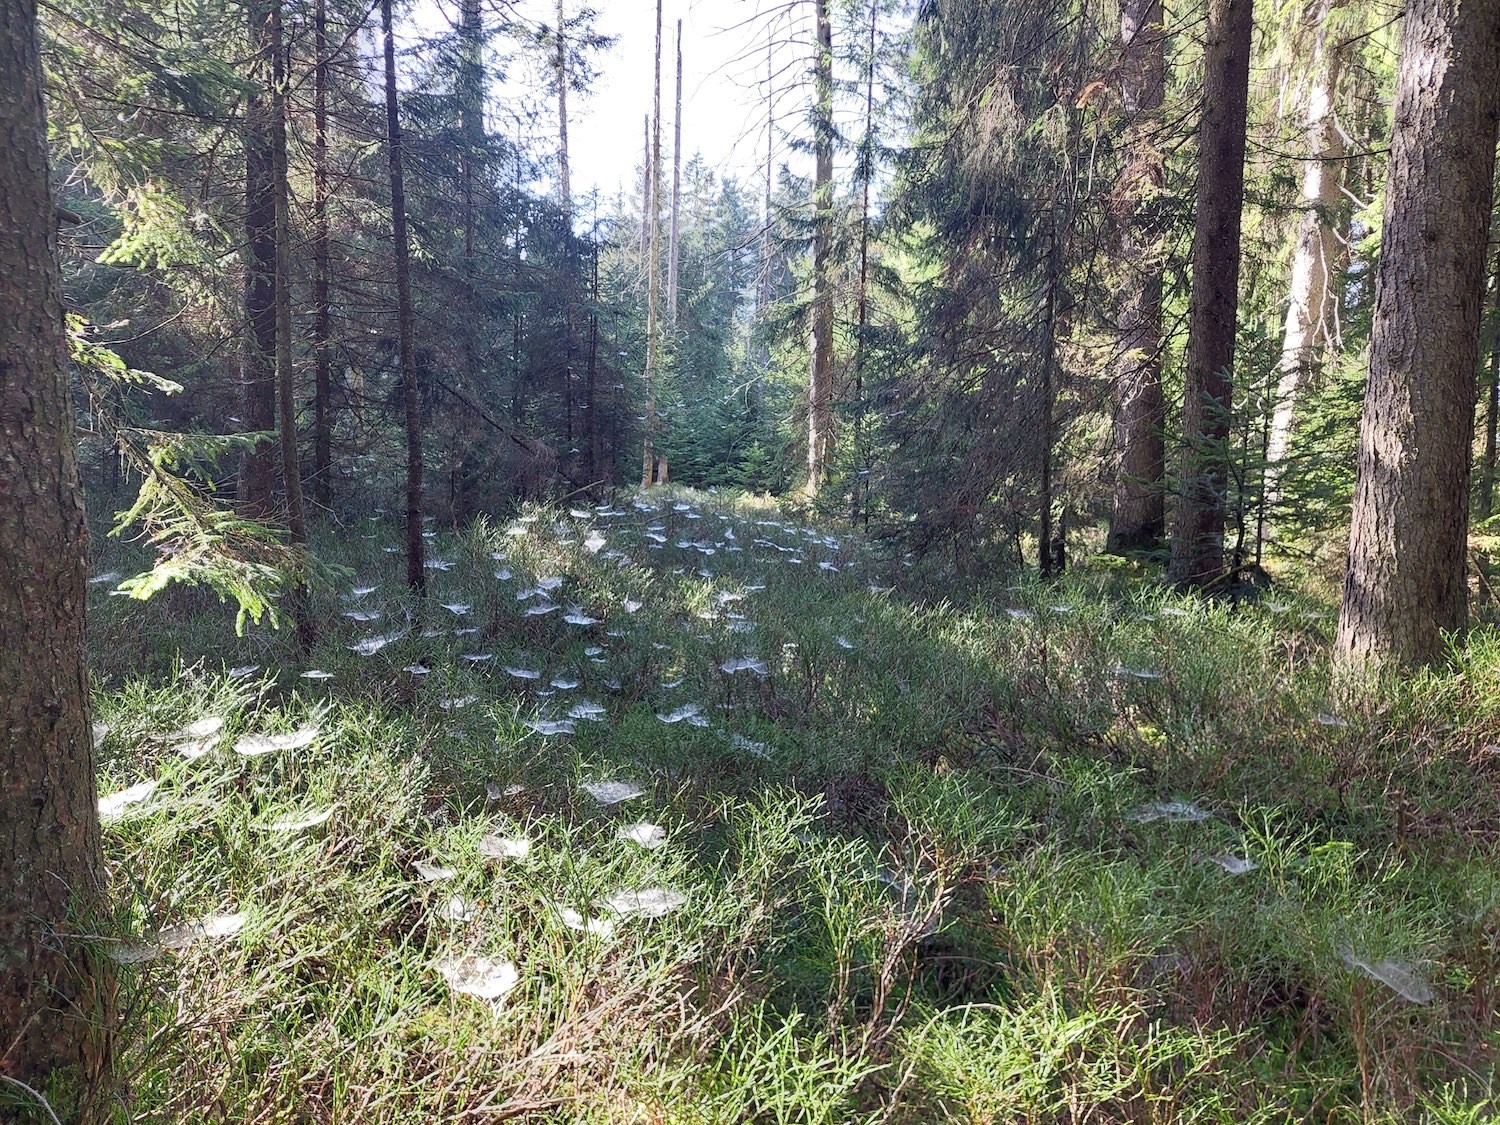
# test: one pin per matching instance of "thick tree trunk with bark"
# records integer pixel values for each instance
(322, 342)
(1312, 309)
(55, 1007)
(416, 570)
(258, 362)
(1198, 534)
(1138, 518)
(1405, 584)
(820, 375)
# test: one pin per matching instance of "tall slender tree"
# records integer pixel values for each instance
(258, 360)
(55, 1007)
(322, 327)
(1405, 585)
(820, 374)
(649, 471)
(673, 250)
(416, 570)
(1138, 516)
(564, 172)
(1198, 535)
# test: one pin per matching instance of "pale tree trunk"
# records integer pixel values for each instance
(1312, 310)
(653, 271)
(672, 248)
(56, 1007)
(1198, 534)
(1138, 518)
(258, 370)
(416, 571)
(820, 376)
(564, 173)
(1405, 584)
(286, 401)
(322, 270)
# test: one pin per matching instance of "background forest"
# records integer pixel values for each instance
(982, 615)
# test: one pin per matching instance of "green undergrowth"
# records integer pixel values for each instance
(1079, 852)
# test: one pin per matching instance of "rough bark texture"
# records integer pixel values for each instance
(1138, 518)
(1312, 308)
(820, 376)
(322, 343)
(53, 1003)
(1405, 584)
(1198, 534)
(257, 365)
(653, 272)
(416, 570)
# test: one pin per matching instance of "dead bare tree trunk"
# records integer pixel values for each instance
(1198, 535)
(1312, 310)
(416, 570)
(1405, 586)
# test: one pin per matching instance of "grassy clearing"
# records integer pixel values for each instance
(1066, 853)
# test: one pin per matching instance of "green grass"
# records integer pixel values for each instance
(919, 885)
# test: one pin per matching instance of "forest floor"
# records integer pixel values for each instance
(755, 826)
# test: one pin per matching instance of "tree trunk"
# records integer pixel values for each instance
(672, 250)
(1138, 518)
(564, 174)
(1486, 501)
(286, 399)
(1312, 310)
(1198, 535)
(258, 371)
(322, 342)
(820, 376)
(55, 1006)
(1045, 551)
(416, 570)
(653, 272)
(471, 97)
(1405, 584)
(859, 494)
